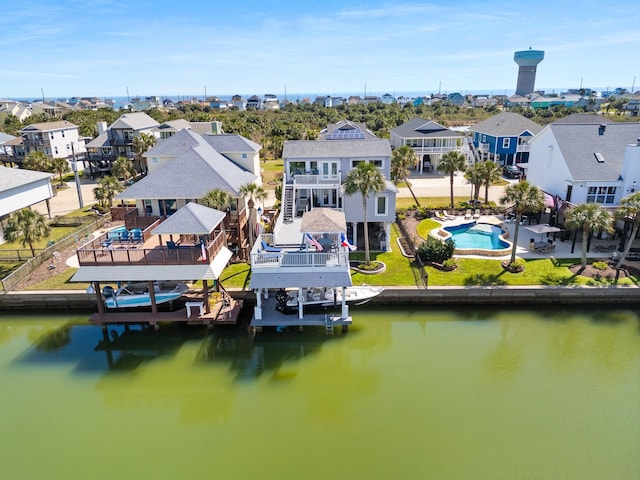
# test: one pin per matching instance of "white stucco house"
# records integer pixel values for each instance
(586, 162)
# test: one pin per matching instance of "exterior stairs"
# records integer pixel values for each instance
(287, 204)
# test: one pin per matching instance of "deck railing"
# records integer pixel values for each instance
(94, 254)
(299, 259)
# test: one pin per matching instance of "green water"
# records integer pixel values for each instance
(406, 394)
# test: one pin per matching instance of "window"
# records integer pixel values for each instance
(244, 155)
(55, 149)
(381, 205)
(354, 163)
(603, 195)
(62, 134)
(377, 163)
(506, 142)
(484, 138)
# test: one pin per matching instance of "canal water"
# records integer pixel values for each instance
(481, 393)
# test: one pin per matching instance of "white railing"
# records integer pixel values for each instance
(524, 147)
(312, 179)
(299, 259)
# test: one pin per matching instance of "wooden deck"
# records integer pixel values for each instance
(220, 315)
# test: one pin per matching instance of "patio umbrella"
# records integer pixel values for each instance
(542, 229)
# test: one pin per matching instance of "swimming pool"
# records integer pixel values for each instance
(478, 238)
(116, 233)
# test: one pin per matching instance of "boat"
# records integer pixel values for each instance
(137, 295)
(325, 297)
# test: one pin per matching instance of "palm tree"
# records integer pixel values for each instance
(254, 192)
(27, 226)
(60, 166)
(217, 198)
(366, 179)
(450, 163)
(524, 197)
(590, 217)
(122, 168)
(474, 176)
(107, 188)
(491, 172)
(401, 159)
(141, 144)
(37, 161)
(629, 209)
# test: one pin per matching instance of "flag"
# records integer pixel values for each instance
(345, 242)
(204, 251)
(313, 242)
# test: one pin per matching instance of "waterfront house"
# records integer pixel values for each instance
(182, 169)
(428, 139)
(55, 139)
(504, 138)
(586, 162)
(314, 172)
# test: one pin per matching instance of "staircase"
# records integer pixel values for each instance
(287, 204)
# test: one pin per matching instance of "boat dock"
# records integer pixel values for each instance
(222, 313)
(271, 317)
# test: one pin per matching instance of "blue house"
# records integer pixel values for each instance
(504, 138)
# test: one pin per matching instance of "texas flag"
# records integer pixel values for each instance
(345, 242)
(313, 242)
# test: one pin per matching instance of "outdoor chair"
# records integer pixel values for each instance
(476, 214)
(467, 214)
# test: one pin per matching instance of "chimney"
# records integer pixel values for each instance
(601, 129)
(102, 127)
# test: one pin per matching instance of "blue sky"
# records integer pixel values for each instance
(104, 47)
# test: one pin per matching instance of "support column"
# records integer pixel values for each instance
(205, 288)
(345, 307)
(257, 310)
(300, 300)
(98, 294)
(354, 229)
(152, 296)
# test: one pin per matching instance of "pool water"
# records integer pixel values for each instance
(477, 236)
(116, 233)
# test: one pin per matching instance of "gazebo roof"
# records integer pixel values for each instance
(192, 219)
(323, 220)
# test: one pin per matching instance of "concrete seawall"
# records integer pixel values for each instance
(20, 302)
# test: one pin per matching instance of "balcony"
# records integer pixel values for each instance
(149, 251)
(305, 180)
(523, 147)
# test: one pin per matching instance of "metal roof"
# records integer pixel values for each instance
(421, 128)
(336, 148)
(323, 220)
(11, 178)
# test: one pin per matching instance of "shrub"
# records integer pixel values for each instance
(600, 265)
(450, 264)
(432, 250)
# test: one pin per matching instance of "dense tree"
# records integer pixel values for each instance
(37, 161)
(123, 169)
(60, 166)
(590, 218)
(450, 163)
(141, 144)
(629, 210)
(365, 179)
(401, 159)
(474, 176)
(218, 199)
(491, 173)
(27, 227)
(522, 197)
(107, 188)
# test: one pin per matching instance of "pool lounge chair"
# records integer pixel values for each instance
(476, 214)
(467, 214)
(448, 217)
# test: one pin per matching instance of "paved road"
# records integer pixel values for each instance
(66, 200)
(434, 185)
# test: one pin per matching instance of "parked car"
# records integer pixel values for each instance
(511, 171)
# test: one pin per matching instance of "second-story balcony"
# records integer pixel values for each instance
(523, 147)
(148, 249)
(310, 179)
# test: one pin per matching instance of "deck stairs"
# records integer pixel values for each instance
(287, 203)
(328, 323)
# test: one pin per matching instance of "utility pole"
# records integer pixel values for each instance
(75, 175)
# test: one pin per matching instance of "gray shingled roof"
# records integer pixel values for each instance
(506, 124)
(135, 121)
(176, 144)
(579, 143)
(48, 126)
(335, 148)
(99, 141)
(582, 118)
(192, 219)
(346, 126)
(231, 143)
(5, 137)
(192, 174)
(11, 178)
(421, 128)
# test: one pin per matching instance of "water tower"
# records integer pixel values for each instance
(528, 60)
